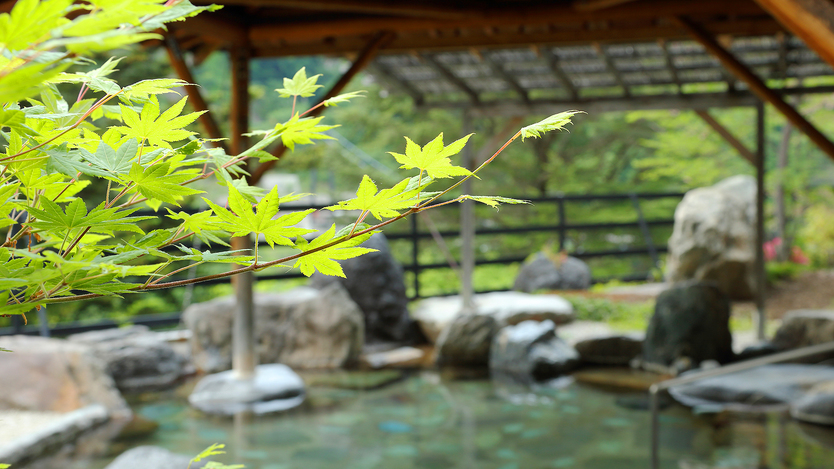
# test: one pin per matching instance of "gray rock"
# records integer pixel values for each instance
(714, 237)
(274, 388)
(375, 281)
(466, 341)
(543, 273)
(756, 350)
(817, 406)
(507, 308)
(804, 327)
(137, 359)
(768, 385)
(529, 352)
(55, 375)
(690, 321)
(152, 457)
(614, 349)
(302, 328)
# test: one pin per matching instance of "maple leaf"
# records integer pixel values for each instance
(243, 220)
(386, 203)
(493, 200)
(154, 182)
(299, 85)
(156, 129)
(202, 224)
(303, 131)
(343, 98)
(554, 122)
(324, 260)
(433, 157)
(75, 216)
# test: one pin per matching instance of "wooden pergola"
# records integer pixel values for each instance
(531, 57)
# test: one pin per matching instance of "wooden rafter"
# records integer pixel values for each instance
(561, 76)
(498, 70)
(611, 67)
(381, 71)
(670, 66)
(741, 148)
(758, 86)
(594, 5)
(195, 97)
(451, 77)
(361, 61)
(811, 20)
(239, 109)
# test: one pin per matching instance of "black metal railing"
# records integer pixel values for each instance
(413, 235)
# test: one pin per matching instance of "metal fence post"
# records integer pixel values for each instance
(644, 228)
(562, 223)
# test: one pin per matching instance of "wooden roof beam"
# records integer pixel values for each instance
(393, 8)
(561, 76)
(670, 65)
(594, 5)
(362, 60)
(498, 69)
(381, 71)
(811, 20)
(741, 148)
(451, 77)
(758, 86)
(611, 67)
(194, 96)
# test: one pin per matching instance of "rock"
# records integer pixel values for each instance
(542, 272)
(274, 388)
(146, 457)
(713, 238)
(55, 375)
(375, 281)
(137, 427)
(763, 386)
(616, 349)
(530, 351)
(466, 341)
(402, 357)
(690, 321)
(355, 380)
(817, 406)
(302, 328)
(137, 359)
(759, 349)
(507, 308)
(804, 327)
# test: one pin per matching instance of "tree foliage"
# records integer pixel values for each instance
(58, 247)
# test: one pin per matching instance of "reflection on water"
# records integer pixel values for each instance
(422, 422)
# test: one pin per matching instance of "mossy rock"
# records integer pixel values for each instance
(359, 380)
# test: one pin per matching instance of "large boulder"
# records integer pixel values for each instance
(375, 281)
(610, 349)
(465, 342)
(714, 237)
(273, 388)
(301, 328)
(804, 327)
(530, 352)
(544, 272)
(768, 385)
(54, 375)
(147, 457)
(507, 308)
(137, 359)
(691, 321)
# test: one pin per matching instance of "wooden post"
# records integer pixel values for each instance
(760, 195)
(243, 331)
(757, 86)
(467, 228)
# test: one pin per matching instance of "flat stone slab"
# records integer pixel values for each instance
(507, 308)
(758, 388)
(26, 436)
(147, 457)
(273, 388)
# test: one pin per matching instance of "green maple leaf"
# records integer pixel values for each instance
(343, 98)
(554, 122)
(386, 203)
(324, 260)
(433, 157)
(202, 224)
(154, 182)
(493, 200)
(303, 131)
(299, 85)
(112, 162)
(156, 129)
(243, 220)
(75, 217)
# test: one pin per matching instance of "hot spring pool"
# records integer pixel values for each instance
(425, 422)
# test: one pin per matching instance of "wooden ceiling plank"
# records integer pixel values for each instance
(757, 86)
(381, 71)
(561, 76)
(451, 77)
(670, 65)
(194, 96)
(611, 67)
(810, 20)
(741, 148)
(499, 70)
(362, 60)
(394, 8)
(216, 29)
